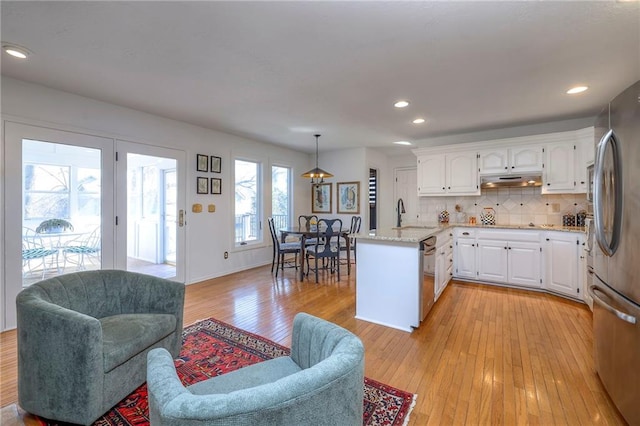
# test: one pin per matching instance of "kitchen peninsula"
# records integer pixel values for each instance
(390, 275)
(395, 281)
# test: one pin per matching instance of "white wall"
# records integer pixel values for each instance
(209, 235)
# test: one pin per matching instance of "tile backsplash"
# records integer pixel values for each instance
(513, 206)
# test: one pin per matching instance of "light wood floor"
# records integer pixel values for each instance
(485, 355)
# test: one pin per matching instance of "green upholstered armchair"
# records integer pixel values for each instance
(83, 340)
(320, 383)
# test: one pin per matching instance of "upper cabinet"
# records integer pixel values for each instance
(518, 159)
(561, 158)
(584, 156)
(558, 176)
(454, 173)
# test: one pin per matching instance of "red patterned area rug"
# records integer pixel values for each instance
(211, 347)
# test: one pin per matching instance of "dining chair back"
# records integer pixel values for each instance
(356, 221)
(305, 222)
(327, 246)
(281, 248)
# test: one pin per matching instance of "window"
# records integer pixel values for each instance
(281, 196)
(248, 199)
(46, 191)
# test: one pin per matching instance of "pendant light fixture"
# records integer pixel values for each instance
(317, 175)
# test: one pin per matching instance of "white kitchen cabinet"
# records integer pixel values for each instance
(518, 159)
(443, 261)
(454, 173)
(524, 266)
(492, 261)
(464, 253)
(561, 252)
(431, 174)
(462, 174)
(584, 156)
(499, 256)
(559, 166)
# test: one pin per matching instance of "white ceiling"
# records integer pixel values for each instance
(281, 71)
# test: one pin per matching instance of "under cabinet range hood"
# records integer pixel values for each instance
(510, 181)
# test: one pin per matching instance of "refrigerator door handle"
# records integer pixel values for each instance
(623, 316)
(608, 141)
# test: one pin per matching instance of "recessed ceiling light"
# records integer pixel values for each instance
(401, 104)
(403, 143)
(16, 51)
(418, 121)
(577, 89)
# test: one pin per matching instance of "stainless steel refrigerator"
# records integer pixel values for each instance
(616, 265)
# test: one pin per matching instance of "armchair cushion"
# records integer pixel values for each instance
(129, 334)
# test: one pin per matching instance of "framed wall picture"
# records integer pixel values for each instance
(203, 185)
(348, 197)
(216, 186)
(202, 163)
(216, 164)
(321, 198)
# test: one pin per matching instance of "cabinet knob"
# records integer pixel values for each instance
(505, 167)
(548, 184)
(505, 248)
(443, 187)
(449, 187)
(513, 167)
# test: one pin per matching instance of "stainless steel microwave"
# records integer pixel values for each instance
(590, 183)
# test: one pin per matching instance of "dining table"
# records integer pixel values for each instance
(311, 232)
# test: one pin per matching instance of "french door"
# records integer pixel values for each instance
(150, 236)
(125, 214)
(54, 177)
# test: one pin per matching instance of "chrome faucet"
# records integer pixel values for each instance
(400, 211)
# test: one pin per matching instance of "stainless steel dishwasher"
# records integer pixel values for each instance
(427, 291)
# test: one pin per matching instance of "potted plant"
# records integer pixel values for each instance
(50, 226)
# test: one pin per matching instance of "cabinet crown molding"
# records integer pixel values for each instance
(540, 139)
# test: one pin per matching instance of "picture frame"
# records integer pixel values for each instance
(348, 197)
(216, 186)
(203, 185)
(202, 163)
(321, 198)
(216, 164)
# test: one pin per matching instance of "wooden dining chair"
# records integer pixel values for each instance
(327, 247)
(305, 221)
(281, 248)
(356, 221)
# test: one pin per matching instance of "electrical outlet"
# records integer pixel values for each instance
(226, 254)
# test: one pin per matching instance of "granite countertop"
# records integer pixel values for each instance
(408, 234)
(414, 233)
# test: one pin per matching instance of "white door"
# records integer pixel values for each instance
(406, 188)
(150, 232)
(55, 177)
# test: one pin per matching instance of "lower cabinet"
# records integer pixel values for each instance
(562, 251)
(524, 264)
(443, 262)
(499, 256)
(492, 261)
(464, 253)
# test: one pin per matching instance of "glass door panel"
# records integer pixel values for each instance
(61, 220)
(150, 239)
